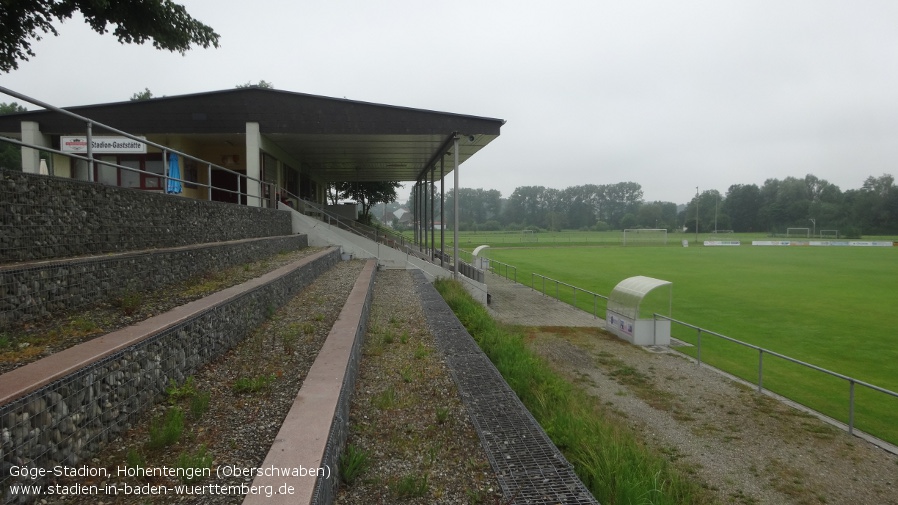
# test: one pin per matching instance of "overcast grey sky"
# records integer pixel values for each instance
(671, 95)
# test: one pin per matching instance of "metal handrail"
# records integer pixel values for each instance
(165, 150)
(595, 296)
(131, 169)
(507, 266)
(761, 351)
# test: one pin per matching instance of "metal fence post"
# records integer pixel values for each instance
(851, 407)
(760, 370)
(698, 347)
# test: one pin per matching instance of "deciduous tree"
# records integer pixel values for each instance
(165, 23)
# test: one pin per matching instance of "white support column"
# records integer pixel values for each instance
(31, 158)
(253, 165)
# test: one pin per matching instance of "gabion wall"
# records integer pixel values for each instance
(69, 420)
(44, 217)
(37, 290)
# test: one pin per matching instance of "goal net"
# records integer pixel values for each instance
(829, 233)
(528, 236)
(645, 236)
(798, 232)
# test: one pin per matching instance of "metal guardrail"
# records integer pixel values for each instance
(761, 351)
(506, 266)
(574, 289)
(265, 187)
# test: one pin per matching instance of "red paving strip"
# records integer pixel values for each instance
(300, 443)
(33, 376)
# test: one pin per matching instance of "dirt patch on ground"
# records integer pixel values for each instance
(747, 447)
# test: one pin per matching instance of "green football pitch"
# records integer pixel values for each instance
(833, 307)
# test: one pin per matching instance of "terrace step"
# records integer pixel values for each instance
(40, 289)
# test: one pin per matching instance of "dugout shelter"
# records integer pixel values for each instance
(628, 317)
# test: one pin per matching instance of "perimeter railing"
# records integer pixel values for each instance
(573, 290)
(851, 381)
(499, 268)
(267, 191)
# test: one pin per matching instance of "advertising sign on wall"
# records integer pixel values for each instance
(102, 145)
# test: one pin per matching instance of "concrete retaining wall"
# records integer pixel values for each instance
(47, 217)
(64, 420)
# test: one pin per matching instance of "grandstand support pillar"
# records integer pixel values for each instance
(430, 192)
(424, 236)
(31, 158)
(253, 165)
(455, 205)
(442, 213)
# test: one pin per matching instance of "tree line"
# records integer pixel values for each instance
(773, 207)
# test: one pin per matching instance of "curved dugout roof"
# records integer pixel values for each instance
(335, 139)
(627, 296)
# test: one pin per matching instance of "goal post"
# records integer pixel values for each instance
(829, 233)
(528, 236)
(645, 236)
(798, 232)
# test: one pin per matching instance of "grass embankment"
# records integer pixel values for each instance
(615, 466)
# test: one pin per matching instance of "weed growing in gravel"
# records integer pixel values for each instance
(5, 342)
(129, 301)
(135, 459)
(199, 404)
(386, 399)
(403, 339)
(353, 463)
(288, 340)
(177, 393)
(246, 385)
(387, 337)
(165, 430)
(421, 351)
(408, 375)
(193, 467)
(410, 486)
(442, 414)
(83, 326)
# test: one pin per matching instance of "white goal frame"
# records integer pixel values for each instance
(829, 233)
(649, 234)
(529, 236)
(807, 232)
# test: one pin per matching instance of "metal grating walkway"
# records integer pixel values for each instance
(530, 469)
